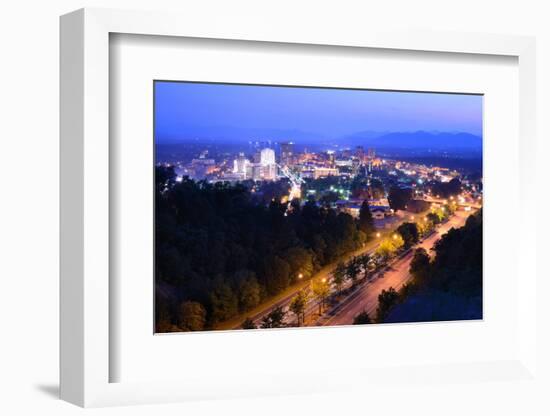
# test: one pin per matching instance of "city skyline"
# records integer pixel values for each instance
(234, 112)
(254, 231)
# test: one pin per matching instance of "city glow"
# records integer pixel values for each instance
(249, 199)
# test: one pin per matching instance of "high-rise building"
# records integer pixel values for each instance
(267, 162)
(360, 153)
(287, 153)
(240, 165)
(267, 157)
(254, 171)
(331, 157)
(269, 172)
(370, 156)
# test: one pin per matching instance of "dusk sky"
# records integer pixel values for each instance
(186, 110)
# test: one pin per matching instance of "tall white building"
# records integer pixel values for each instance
(254, 171)
(267, 162)
(240, 165)
(267, 157)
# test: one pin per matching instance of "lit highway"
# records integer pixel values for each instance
(366, 296)
(324, 273)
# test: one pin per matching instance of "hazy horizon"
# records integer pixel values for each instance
(186, 111)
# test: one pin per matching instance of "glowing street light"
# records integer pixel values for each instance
(300, 276)
(412, 217)
(395, 236)
(377, 235)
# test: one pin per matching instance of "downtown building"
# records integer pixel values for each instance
(287, 154)
(264, 166)
(268, 164)
(240, 166)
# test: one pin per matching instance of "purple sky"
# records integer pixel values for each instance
(184, 110)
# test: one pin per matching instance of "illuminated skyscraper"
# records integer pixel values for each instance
(269, 167)
(370, 156)
(254, 171)
(240, 165)
(267, 157)
(287, 153)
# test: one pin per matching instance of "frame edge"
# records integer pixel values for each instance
(71, 221)
(83, 355)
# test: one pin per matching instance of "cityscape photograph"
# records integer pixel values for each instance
(290, 206)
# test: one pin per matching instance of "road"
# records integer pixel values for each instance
(366, 296)
(283, 299)
(397, 277)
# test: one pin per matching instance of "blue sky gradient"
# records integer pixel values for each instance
(189, 110)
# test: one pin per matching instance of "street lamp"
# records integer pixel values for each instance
(300, 276)
(377, 235)
(395, 236)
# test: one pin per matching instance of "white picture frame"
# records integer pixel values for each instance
(85, 212)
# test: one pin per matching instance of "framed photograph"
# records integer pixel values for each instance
(275, 208)
(234, 202)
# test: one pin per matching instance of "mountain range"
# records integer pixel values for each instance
(421, 140)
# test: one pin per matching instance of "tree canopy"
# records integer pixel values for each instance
(366, 222)
(409, 233)
(362, 318)
(223, 247)
(398, 198)
(449, 287)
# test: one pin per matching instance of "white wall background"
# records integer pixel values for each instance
(29, 206)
